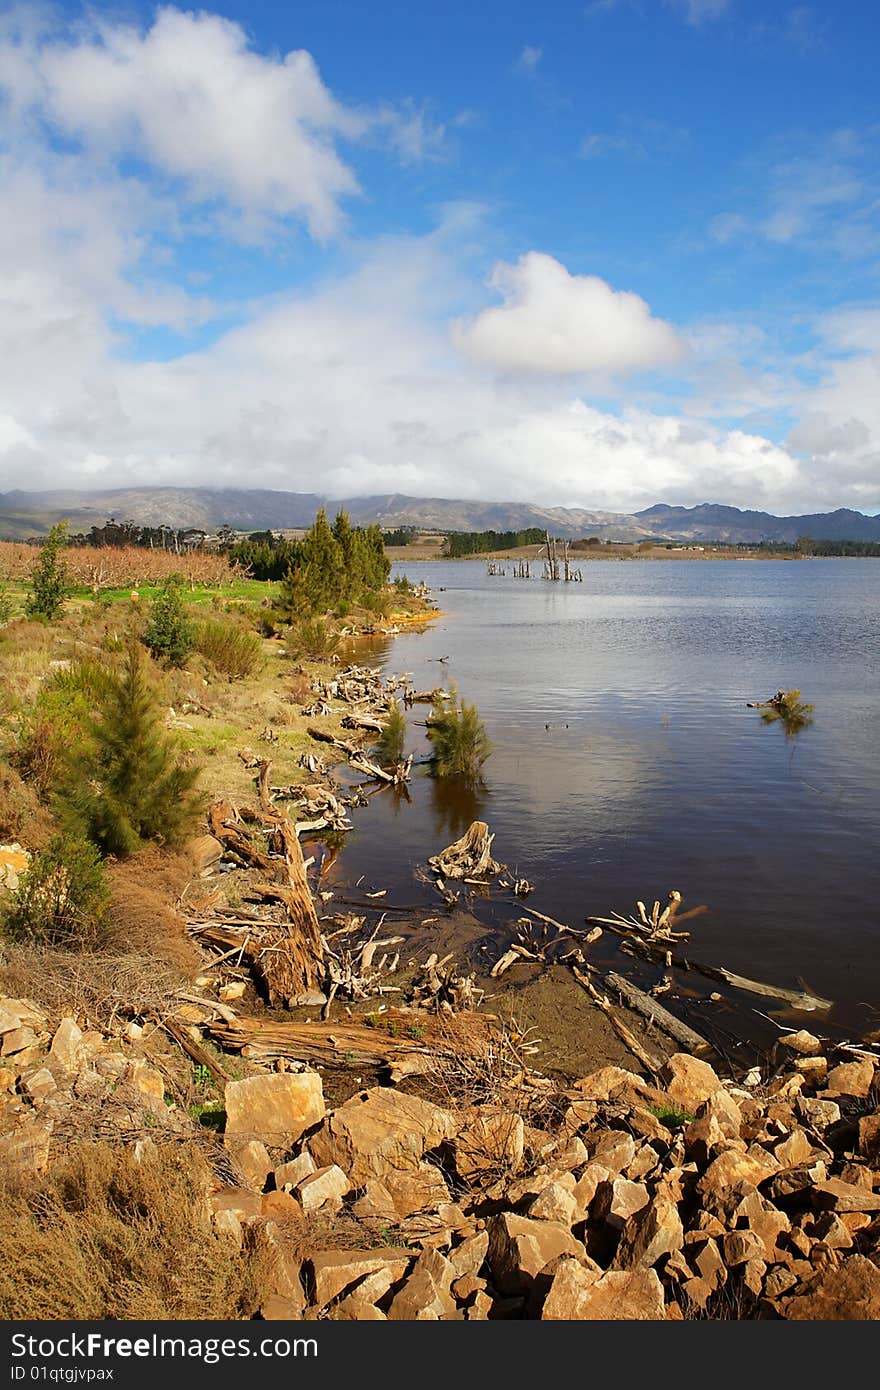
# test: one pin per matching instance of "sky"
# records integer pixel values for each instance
(599, 254)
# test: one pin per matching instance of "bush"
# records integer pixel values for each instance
(48, 577)
(458, 738)
(170, 635)
(124, 785)
(389, 748)
(62, 898)
(231, 650)
(312, 639)
(59, 721)
(7, 607)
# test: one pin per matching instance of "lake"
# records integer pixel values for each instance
(626, 762)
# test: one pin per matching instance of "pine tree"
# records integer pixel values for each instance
(126, 786)
(48, 577)
(170, 635)
(458, 738)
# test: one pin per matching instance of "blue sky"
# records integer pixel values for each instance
(599, 254)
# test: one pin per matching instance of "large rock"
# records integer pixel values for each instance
(334, 1271)
(835, 1195)
(802, 1042)
(617, 1201)
(520, 1248)
(379, 1130)
(403, 1193)
(654, 1231)
(851, 1079)
(578, 1294)
(67, 1046)
(26, 1150)
(689, 1081)
(426, 1296)
(277, 1108)
(325, 1188)
(848, 1293)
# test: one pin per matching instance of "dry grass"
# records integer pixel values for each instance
(104, 1236)
(102, 985)
(142, 916)
(127, 566)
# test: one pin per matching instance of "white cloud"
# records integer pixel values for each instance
(554, 323)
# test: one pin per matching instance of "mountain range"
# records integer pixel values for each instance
(25, 514)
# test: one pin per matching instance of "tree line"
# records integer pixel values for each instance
(460, 543)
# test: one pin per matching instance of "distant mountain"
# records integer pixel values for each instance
(25, 514)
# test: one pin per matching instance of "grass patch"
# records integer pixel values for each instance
(671, 1116)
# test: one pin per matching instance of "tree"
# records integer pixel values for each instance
(62, 898)
(170, 635)
(48, 577)
(458, 738)
(125, 785)
(391, 741)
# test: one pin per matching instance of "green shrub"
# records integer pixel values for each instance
(170, 634)
(458, 738)
(389, 748)
(7, 607)
(58, 722)
(124, 785)
(62, 898)
(48, 577)
(232, 650)
(311, 639)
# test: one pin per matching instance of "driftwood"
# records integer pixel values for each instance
(441, 990)
(357, 758)
(657, 926)
(649, 1008)
(649, 1060)
(289, 961)
(353, 971)
(198, 1054)
(468, 858)
(797, 999)
(398, 1034)
(532, 944)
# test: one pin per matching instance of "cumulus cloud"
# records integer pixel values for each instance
(555, 323)
(191, 98)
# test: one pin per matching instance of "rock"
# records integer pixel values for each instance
(812, 1069)
(848, 1293)
(228, 1224)
(793, 1150)
(378, 1130)
(689, 1081)
(778, 1281)
(284, 1273)
(702, 1138)
(277, 1308)
(608, 1082)
(851, 1079)
(147, 1084)
(732, 1169)
(644, 1162)
(801, 1042)
(232, 991)
(324, 1188)
(466, 1288)
(244, 1205)
(798, 1182)
(40, 1084)
(615, 1150)
(869, 1136)
(426, 1295)
(250, 1159)
(820, 1114)
(289, 1174)
(616, 1201)
(277, 1108)
(722, 1107)
(555, 1203)
(741, 1246)
(334, 1271)
(490, 1144)
(581, 1295)
(26, 1150)
(281, 1206)
(572, 1154)
(354, 1308)
(467, 1258)
(831, 1231)
(707, 1258)
(67, 1044)
(519, 1249)
(18, 1039)
(834, 1195)
(654, 1231)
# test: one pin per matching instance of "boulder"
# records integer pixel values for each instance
(289, 1174)
(276, 1107)
(250, 1159)
(468, 1257)
(334, 1271)
(654, 1231)
(284, 1266)
(324, 1188)
(67, 1047)
(732, 1169)
(277, 1308)
(614, 1149)
(869, 1136)
(618, 1200)
(801, 1042)
(39, 1085)
(380, 1130)
(426, 1294)
(835, 1195)
(244, 1205)
(578, 1294)
(555, 1203)
(689, 1081)
(820, 1114)
(519, 1248)
(849, 1293)
(26, 1150)
(851, 1079)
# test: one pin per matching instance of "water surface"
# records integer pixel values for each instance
(626, 762)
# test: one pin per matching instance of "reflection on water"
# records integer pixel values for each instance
(627, 761)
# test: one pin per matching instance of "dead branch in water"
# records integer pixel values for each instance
(470, 857)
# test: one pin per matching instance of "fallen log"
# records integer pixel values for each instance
(198, 1054)
(797, 999)
(649, 1008)
(649, 1061)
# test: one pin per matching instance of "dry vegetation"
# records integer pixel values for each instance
(114, 1234)
(109, 567)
